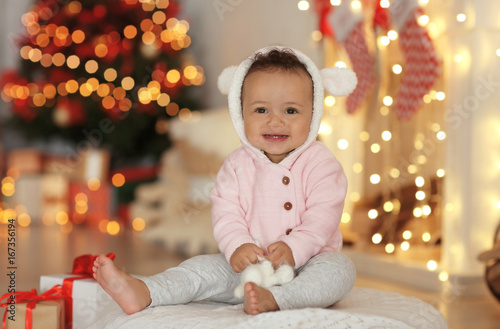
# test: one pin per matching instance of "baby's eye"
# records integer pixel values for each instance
(291, 110)
(261, 110)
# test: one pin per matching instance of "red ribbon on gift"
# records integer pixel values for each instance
(31, 298)
(81, 265)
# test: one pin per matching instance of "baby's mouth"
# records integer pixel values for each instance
(274, 136)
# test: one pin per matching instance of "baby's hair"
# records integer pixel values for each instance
(277, 59)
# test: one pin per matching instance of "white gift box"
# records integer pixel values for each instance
(90, 301)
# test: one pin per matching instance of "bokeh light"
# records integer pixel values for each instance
(113, 227)
(118, 180)
(138, 224)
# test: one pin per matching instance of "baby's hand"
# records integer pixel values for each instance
(279, 254)
(245, 255)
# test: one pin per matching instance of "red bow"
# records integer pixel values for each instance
(83, 264)
(31, 298)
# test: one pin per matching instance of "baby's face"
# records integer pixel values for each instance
(277, 111)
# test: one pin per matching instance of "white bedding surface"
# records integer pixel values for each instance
(364, 308)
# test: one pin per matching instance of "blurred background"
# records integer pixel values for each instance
(112, 130)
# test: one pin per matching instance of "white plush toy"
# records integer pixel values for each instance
(264, 275)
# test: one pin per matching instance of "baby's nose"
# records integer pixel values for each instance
(275, 120)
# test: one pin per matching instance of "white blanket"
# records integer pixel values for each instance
(364, 308)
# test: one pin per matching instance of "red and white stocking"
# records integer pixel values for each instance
(347, 25)
(421, 68)
(362, 64)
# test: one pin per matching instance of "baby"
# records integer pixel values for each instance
(279, 196)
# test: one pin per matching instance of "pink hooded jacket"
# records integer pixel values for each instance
(298, 201)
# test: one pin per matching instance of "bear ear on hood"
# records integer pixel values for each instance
(226, 79)
(339, 81)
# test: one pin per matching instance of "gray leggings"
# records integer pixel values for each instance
(323, 281)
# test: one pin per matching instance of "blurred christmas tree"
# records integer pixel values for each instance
(109, 72)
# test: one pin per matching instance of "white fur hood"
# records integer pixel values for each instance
(337, 81)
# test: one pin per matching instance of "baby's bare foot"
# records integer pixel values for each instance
(130, 293)
(258, 299)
